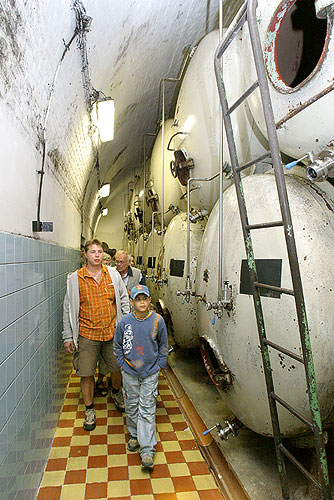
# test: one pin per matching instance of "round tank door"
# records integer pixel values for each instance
(231, 344)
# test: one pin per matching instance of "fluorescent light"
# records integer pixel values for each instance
(104, 191)
(141, 193)
(104, 212)
(103, 113)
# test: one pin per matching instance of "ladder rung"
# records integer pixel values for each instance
(299, 465)
(243, 97)
(284, 351)
(264, 225)
(251, 163)
(291, 410)
(274, 288)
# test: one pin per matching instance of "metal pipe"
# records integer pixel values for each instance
(153, 214)
(200, 179)
(147, 134)
(220, 216)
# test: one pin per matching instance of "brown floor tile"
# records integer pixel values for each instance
(141, 487)
(133, 459)
(174, 457)
(198, 468)
(97, 461)
(62, 441)
(183, 483)
(96, 490)
(74, 384)
(163, 386)
(49, 493)
(67, 408)
(210, 495)
(98, 439)
(173, 410)
(75, 477)
(168, 436)
(167, 397)
(100, 406)
(66, 422)
(159, 446)
(116, 449)
(101, 421)
(78, 451)
(118, 473)
(162, 419)
(165, 496)
(114, 413)
(179, 426)
(74, 394)
(56, 464)
(115, 429)
(188, 444)
(160, 470)
(81, 413)
(79, 431)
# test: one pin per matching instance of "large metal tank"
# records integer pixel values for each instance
(172, 188)
(299, 60)
(231, 346)
(197, 121)
(182, 314)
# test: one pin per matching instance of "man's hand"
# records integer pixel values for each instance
(69, 346)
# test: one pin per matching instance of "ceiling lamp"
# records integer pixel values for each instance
(104, 191)
(104, 211)
(103, 113)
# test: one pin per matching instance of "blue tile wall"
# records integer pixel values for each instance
(32, 287)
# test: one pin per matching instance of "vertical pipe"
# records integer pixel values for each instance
(144, 203)
(162, 176)
(188, 284)
(220, 237)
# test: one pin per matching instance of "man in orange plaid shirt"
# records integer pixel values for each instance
(95, 301)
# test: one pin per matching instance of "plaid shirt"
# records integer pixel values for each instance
(97, 315)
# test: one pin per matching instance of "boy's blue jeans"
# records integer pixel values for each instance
(140, 405)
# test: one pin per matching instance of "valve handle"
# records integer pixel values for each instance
(288, 166)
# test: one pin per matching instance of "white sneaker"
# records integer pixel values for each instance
(118, 400)
(90, 420)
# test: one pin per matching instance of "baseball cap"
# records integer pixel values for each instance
(136, 290)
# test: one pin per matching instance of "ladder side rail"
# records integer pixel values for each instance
(253, 277)
(232, 31)
(291, 247)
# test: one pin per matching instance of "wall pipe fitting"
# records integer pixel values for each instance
(322, 167)
(190, 53)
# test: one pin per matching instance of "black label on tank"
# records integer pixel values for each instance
(139, 260)
(176, 267)
(149, 262)
(269, 272)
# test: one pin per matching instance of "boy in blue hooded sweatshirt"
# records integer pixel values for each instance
(141, 349)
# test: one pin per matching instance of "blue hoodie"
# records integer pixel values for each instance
(141, 346)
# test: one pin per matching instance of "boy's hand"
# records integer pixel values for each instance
(69, 347)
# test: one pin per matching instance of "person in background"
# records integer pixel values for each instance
(106, 259)
(95, 301)
(112, 253)
(82, 256)
(105, 246)
(141, 349)
(131, 260)
(130, 275)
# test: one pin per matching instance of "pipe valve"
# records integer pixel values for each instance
(198, 215)
(322, 167)
(232, 427)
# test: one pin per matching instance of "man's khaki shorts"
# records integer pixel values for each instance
(89, 351)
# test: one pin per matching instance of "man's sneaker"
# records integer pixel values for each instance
(133, 444)
(90, 420)
(147, 462)
(118, 400)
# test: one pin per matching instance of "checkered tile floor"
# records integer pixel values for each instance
(97, 465)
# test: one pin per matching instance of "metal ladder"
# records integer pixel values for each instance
(248, 13)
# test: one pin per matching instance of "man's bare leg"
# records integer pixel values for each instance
(87, 389)
(116, 380)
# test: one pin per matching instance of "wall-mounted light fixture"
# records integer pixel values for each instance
(104, 191)
(140, 195)
(103, 114)
(104, 212)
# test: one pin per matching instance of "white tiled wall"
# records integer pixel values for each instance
(32, 286)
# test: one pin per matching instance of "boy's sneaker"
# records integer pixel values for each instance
(133, 444)
(118, 400)
(90, 420)
(147, 462)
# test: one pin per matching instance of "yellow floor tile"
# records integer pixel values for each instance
(165, 391)
(117, 460)
(136, 472)
(80, 440)
(181, 435)
(59, 452)
(177, 418)
(161, 411)
(115, 421)
(170, 404)
(79, 422)
(97, 475)
(73, 491)
(64, 431)
(98, 449)
(163, 485)
(77, 463)
(192, 456)
(53, 478)
(117, 489)
(67, 415)
(160, 458)
(101, 413)
(116, 438)
(142, 497)
(100, 429)
(165, 428)
(188, 495)
(81, 407)
(178, 470)
(171, 446)
(205, 482)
